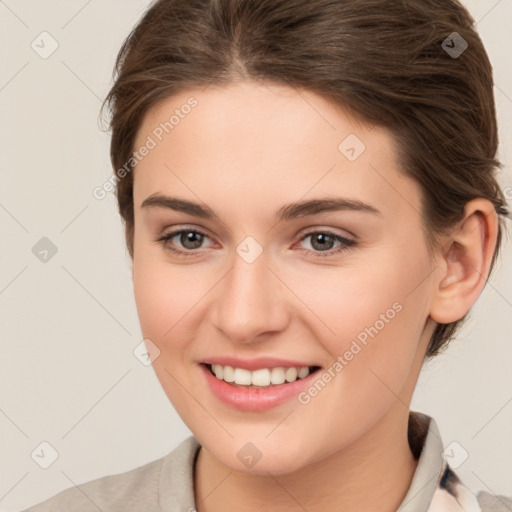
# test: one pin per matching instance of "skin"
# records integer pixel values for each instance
(245, 151)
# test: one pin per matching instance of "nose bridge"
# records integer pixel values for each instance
(249, 302)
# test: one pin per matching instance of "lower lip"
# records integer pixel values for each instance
(254, 399)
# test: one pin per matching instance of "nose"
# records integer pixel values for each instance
(250, 304)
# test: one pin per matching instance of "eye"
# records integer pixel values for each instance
(189, 239)
(323, 242)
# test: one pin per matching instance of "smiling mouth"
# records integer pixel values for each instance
(262, 378)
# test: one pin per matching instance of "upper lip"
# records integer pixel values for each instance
(256, 363)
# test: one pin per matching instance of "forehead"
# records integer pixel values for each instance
(266, 141)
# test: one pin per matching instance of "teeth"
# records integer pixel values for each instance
(262, 378)
(303, 372)
(228, 373)
(259, 377)
(277, 376)
(218, 371)
(291, 374)
(242, 377)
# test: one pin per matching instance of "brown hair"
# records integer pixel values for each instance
(385, 60)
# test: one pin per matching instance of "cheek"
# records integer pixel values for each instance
(357, 300)
(171, 301)
(376, 314)
(163, 295)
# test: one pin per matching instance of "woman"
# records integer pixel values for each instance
(310, 203)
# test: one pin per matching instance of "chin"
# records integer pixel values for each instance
(260, 457)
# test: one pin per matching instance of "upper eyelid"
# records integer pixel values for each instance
(304, 232)
(174, 232)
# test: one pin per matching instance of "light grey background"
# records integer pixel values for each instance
(67, 372)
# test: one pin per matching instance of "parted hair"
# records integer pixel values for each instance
(386, 61)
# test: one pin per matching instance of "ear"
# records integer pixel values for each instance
(464, 262)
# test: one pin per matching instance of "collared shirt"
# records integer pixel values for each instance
(167, 484)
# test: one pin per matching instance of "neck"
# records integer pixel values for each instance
(373, 473)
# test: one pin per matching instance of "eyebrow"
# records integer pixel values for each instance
(287, 212)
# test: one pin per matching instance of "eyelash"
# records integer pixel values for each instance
(346, 242)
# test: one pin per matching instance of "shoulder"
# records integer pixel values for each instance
(494, 503)
(452, 495)
(103, 493)
(133, 490)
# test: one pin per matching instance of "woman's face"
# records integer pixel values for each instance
(342, 283)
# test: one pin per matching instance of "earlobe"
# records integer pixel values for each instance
(465, 261)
